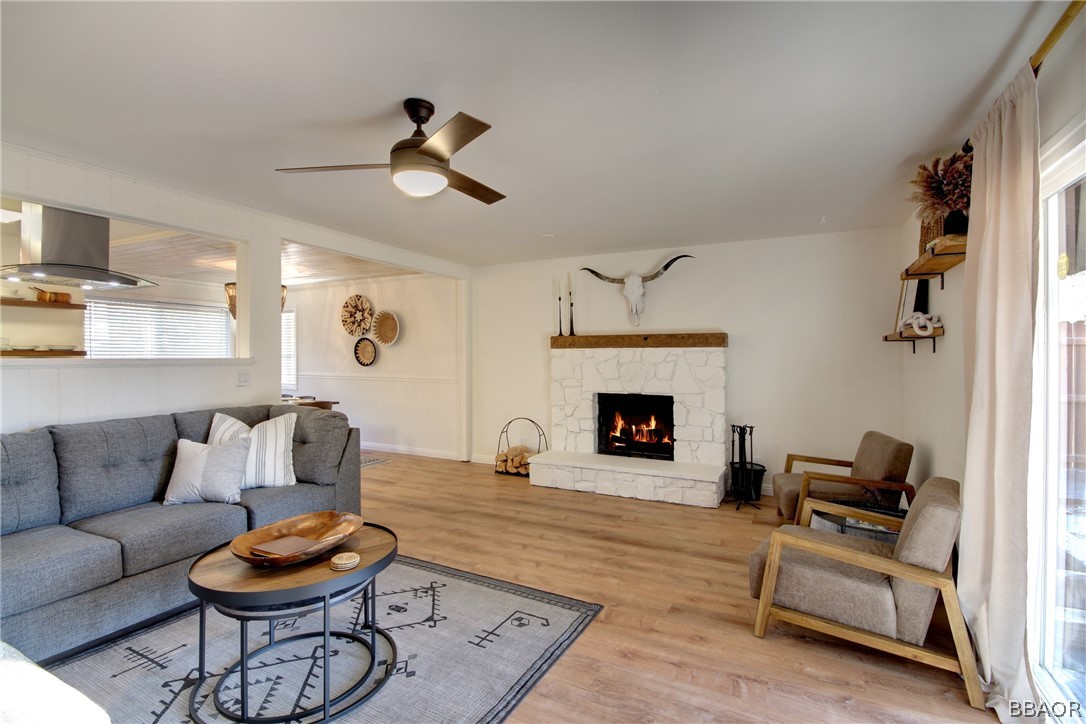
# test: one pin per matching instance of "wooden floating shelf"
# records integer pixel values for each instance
(614, 341)
(911, 336)
(41, 353)
(947, 253)
(9, 302)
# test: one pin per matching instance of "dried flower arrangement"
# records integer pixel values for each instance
(942, 188)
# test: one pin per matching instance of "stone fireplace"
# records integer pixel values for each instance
(591, 375)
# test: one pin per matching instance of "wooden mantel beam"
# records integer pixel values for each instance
(615, 341)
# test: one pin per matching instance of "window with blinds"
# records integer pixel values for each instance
(289, 341)
(123, 329)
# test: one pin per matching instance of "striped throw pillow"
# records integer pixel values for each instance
(271, 451)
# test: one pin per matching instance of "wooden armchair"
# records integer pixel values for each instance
(878, 475)
(870, 593)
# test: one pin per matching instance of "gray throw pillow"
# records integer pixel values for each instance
(208, 473)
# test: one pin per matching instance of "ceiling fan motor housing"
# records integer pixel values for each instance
(405, 157)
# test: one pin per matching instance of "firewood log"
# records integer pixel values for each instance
(500, 467)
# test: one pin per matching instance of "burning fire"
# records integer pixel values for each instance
(639, 433)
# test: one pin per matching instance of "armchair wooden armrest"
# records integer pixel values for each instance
(796, 458)
(909, 490)
(845, 511)
(870, 561)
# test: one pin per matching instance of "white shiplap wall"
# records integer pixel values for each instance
(36, 393)
(408, 400)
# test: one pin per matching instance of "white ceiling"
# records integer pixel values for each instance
(617, 126)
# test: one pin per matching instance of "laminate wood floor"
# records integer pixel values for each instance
(674, 641)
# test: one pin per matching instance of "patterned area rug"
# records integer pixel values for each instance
(369, 462)
(468, 649)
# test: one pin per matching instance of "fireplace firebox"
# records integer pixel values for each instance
(633, 425)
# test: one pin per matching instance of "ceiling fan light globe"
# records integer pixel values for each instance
(415, 182)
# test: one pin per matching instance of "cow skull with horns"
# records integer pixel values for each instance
(634, 287)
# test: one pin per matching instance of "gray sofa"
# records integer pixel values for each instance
(87, 548)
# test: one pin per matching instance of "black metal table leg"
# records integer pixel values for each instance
(244, 669)
(327, 660)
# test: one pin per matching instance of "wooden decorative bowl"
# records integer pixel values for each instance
(327, 528)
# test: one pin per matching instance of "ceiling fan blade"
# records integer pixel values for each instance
(346, 167)
(461, 130)
(473, 188)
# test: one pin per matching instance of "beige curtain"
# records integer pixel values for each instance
(998, 299)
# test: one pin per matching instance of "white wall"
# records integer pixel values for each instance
(805, 317)
(933, 384)
(408, 400)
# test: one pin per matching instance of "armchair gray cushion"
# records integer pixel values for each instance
(816, 585)
(786, 487)
(927, 540)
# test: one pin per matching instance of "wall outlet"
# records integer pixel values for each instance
(244, 378)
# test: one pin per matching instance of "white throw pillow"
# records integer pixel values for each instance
(271, 454)
(208, 473)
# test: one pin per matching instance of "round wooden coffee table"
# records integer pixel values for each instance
(248, 593)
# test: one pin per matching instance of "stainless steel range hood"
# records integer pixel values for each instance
(66, 248)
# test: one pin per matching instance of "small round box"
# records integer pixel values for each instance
(344, 561)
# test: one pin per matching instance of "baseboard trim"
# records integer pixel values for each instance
(405, 450)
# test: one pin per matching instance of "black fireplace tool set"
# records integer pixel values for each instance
(746, 475)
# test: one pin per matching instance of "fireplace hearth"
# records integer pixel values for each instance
(636, 425)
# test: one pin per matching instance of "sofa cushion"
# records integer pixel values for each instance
(207, 473)
(319, 439)
(196, 425)
(154, 535)
(28, 481)
(271, 452)
(267, 505)
(110, 465)
(51, 562)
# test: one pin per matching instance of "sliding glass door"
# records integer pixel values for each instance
(1058, 645)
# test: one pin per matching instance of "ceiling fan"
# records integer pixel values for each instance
(420, 165)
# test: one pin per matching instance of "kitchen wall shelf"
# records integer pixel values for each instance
(9, 302)
(41, 353)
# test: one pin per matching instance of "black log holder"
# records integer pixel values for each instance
(746, 475)
(503, 439)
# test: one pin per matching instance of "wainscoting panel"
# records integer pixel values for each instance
(415, 415)
(39, 392)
